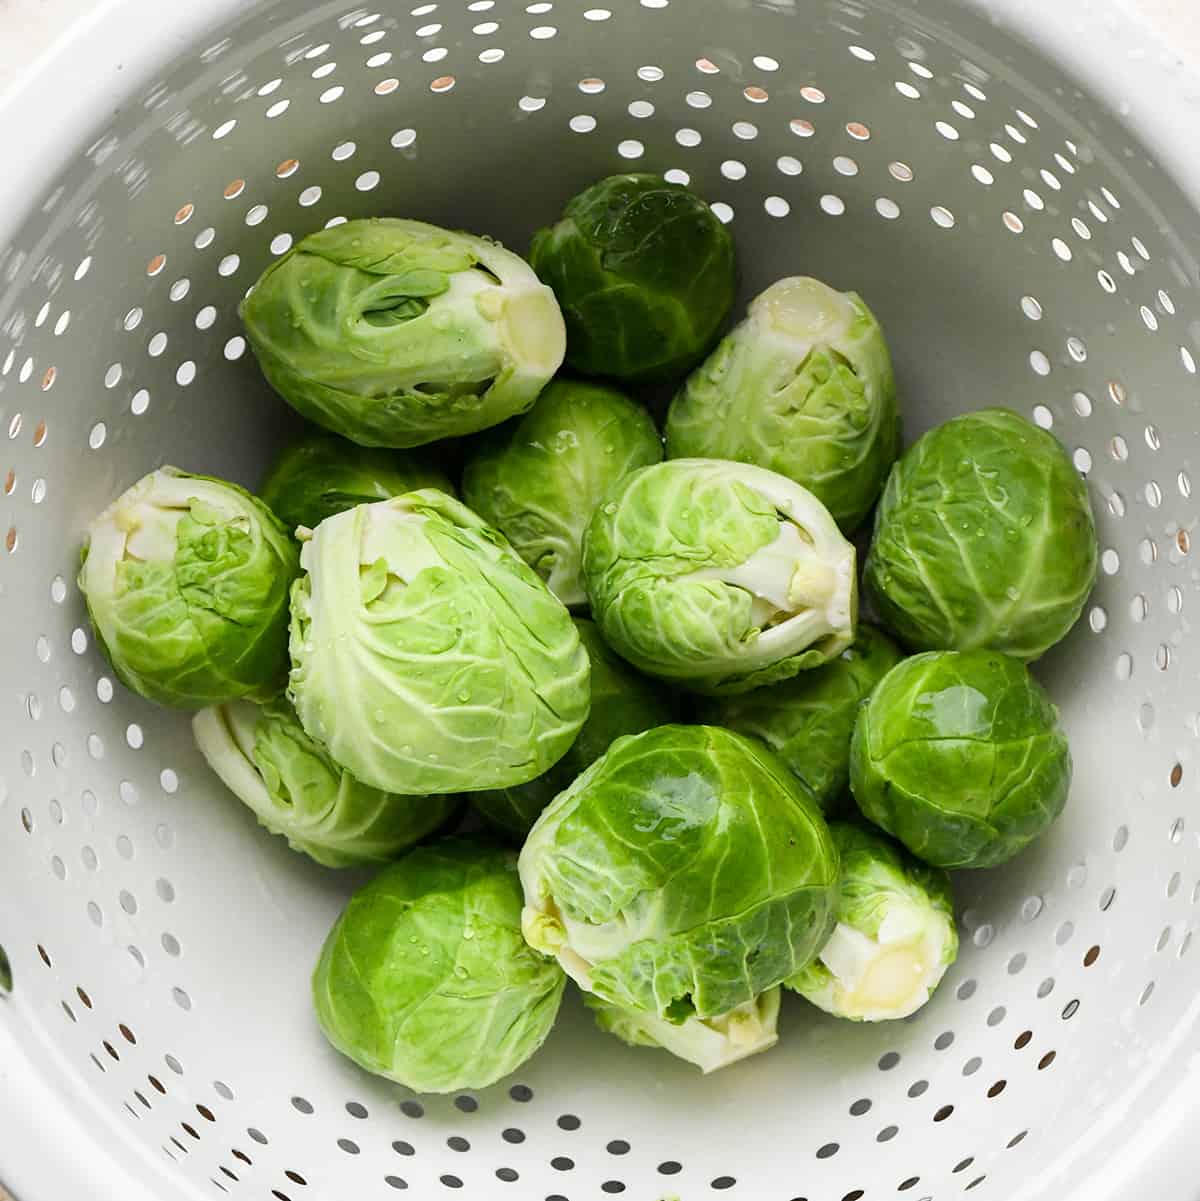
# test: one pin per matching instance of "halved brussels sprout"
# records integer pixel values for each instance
(264, 757)
(538, 479)
(803, 386)
(984, 538)
(809, 720)
(895, 935)
(397, 333)
(186, 580)
(425, 978)
(426, 656)
(322, 475)
(722, 576)
(959, 755)
(710, 1044)
(644, 271)
(685, 873)
(623, 702)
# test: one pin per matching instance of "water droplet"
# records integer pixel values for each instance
(1011, 593)
(468, 933)
(460, 971)
(463, 697)
(379, 715)
(610, 508)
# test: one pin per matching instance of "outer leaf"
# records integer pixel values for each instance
(684, 873)
(644, 272)
(397, 333)
(959, 755)
(809, 719)
(984, 538)
(803, 386)
(186, 580)
(538, 479)
(427, 656)
(425, 978)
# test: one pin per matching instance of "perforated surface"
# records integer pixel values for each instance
(161, 943)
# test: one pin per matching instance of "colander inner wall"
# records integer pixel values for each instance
(1018, 248)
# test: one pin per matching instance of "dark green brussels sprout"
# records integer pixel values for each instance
(322, 475)
(264, 757)
(426, 656)
(186, 580)
(644, 272)
(425, 978)
(710, 1044)
(959, 755)
(623, 702)
(685, 873)
(808, 720)
(895, 935)
(538, 479)
(397, 333)
(803, 386)
(984, 538)
(722, 576)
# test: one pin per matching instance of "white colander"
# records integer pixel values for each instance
(1021, 247)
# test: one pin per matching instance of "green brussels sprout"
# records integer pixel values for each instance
(538, 479)
(264, 757)
(644, 272)
(808, 720)
(186, 580)
(397, 333)
(894, 938)
(722, 576)
(322, 475)
(425, 978)
(623, 702)
(683, 874)
(426, 656)
(959, 755)
(803, 386)
(710, 1045)
(983, 539)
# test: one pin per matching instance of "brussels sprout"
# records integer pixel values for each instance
(264, 757)
(538, 479)
(426, 656)
(959, 755)
(710, 1045)
(722, 576)
(809, 719)
(322, 475)
(186, 580)
(425, 978)
(984, 539)
(645, 275)
(803, 386)
(894, 937)
(623, 702)
(397, 333)
(683, 874)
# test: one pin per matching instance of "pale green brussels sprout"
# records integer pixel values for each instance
(623, 702)
(803, 386)
(960, 756)
(186, 580)
(264, 757)
(895, 935)
(984, 538)
(397, 333)
(426, 656)
(685, 873)
(322, 475)
(538, 479)
(710, 1044)
(722, 576)
(644, 271)
(425, 978)
(809, 720)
